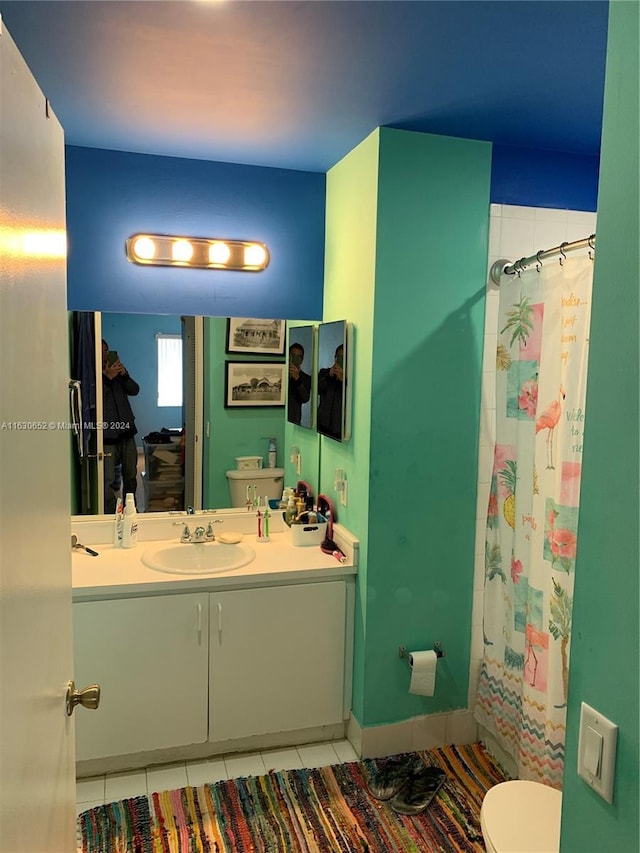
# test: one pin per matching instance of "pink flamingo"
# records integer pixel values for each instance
(549, 420)
(534, 637)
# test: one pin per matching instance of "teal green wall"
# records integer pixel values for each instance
(407, 231)
(349, 295)
(432, 236)
(245, 432)
(605, 640)
(232, 432)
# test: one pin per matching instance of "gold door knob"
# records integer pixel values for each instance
(88, 698)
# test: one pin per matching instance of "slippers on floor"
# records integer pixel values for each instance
(390, 776)
(419, 789)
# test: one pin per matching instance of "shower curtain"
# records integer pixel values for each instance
(532, 520)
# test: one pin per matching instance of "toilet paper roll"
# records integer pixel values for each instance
(423, 672)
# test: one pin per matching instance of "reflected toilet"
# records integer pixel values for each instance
(269, 483)
(521, 816)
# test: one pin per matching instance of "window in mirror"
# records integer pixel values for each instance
(332, 385)
(301, 383)
(169, 369)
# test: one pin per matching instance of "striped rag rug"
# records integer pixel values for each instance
(327, 810)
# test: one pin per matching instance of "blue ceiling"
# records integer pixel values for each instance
(298, 84)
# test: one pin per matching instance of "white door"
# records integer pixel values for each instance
(37, 778)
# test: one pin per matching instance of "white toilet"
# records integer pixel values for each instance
(269, 482)
(521, 817)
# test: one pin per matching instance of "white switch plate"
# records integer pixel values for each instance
(601, 782)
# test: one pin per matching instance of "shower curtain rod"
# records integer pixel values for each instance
(505, 267)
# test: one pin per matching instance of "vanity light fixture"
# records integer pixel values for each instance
(197, 252)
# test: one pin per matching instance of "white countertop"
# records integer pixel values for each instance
(120, 572)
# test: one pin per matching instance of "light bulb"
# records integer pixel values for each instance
(182, 250)
(219, 253)
(254, 255)
(144, 248)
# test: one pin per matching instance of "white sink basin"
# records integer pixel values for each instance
(205, 558)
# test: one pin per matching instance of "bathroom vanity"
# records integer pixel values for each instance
(196, 664)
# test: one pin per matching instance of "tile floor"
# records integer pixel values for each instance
(117, 786)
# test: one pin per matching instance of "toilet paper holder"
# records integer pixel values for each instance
(402, 650)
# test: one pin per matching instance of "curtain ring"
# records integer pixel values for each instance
(563, 254)
(592, 246)
(538, 261)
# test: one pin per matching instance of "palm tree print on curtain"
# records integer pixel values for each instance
(532, 517)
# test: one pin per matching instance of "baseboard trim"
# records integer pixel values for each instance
(193, 752)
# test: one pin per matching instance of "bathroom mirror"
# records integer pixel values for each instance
(302, 371)
(225, 434)
(333, 384)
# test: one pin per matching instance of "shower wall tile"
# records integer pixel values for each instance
(492, 307)
(517, 238)
(485, 465)
(546, 235)
(488, 393)
(481, 509)
(580, 225)
(474, 678)
(548, 214)
(478, 574)
(495, 235)
(487, 435)
(516, 211)
(489, 354)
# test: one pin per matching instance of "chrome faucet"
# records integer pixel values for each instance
(185, 536)
(199, 535)
(210, 534)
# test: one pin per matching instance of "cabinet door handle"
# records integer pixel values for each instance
(219, 620)
(199, 622)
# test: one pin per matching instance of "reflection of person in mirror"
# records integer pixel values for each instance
(119, 427)
(330, 386)
(299, 384)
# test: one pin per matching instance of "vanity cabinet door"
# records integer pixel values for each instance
(150, 658)
(277, 659)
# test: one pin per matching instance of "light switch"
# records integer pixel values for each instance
(597, 751)
(592, 751)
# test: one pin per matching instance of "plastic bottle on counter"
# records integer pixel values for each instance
(291, 511)
(118, 524)
(130, 523)
(273, 453)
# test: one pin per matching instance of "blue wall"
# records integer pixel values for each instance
(535, 178)
(134, 336)
(112, 195)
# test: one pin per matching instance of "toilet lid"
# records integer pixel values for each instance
(522, 817)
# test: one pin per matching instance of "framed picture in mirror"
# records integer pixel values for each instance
(253, 384)
(301, 375)
(333, 394)
(255, 337)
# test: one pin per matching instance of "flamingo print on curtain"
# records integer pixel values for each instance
(532, 520)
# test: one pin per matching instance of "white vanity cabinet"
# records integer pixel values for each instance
(277, 659)
(150, 657)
